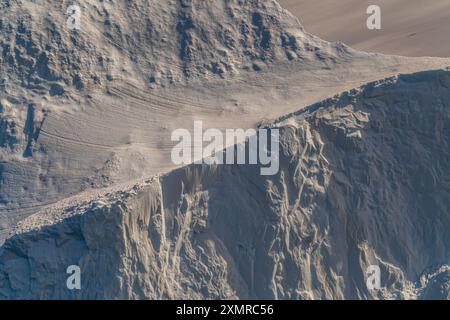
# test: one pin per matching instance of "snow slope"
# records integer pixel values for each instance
(408, 27)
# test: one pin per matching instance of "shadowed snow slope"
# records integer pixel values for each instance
(364, 180)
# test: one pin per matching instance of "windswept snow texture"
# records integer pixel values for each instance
(364, 180)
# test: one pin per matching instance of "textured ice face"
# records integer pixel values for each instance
(160, 43)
